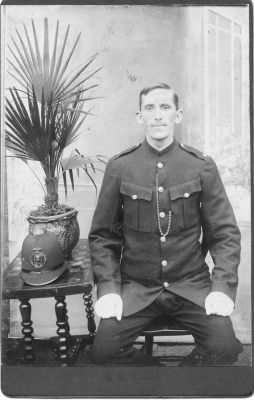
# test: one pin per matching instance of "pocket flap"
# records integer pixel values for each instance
(135, 191)
(185, 189)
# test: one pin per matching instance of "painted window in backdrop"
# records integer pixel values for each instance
(226, 117)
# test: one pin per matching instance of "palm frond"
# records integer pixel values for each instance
(45, 72)
(76, 161)
(59, 62)
(53, 60)
(71, 178)
(77, 84)
(64, 67)
(90, 177)
(65, 182)
(26, 129)
(46, 61)
(46, 113)
(35, 69)
(60, 89)
(71, 93)
(37, 50)
(27, 59)
(21, 71)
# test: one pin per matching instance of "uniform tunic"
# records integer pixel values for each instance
(131, 257)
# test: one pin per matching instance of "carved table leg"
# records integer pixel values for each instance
(27, 330)
(63, 329)
(89, 314)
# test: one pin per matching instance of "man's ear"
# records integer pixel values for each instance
(139, 118)
(179, 116)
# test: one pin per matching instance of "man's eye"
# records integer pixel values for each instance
(148, 108)
(166, 107)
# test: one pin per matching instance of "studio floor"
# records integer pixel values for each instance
(44, 350)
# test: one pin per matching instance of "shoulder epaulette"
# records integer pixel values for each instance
(195, 152)
(127, 151)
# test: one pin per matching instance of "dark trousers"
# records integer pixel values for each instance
(214, 335)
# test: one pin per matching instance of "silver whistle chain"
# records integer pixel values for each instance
(158, 212)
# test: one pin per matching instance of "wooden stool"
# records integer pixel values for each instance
(164, 326)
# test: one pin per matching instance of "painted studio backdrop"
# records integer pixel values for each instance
(202, 52)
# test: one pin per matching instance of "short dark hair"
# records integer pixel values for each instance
(148, 89)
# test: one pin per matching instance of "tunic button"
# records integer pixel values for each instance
(186, 195)
(160, 189)
(166, 284)
(134, 197)
(160, 165)
(163, 239)
(162, 214)
(164, 263)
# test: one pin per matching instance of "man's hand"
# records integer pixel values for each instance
(109, 305)
(218, 303)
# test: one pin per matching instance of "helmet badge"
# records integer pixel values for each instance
(38, 259)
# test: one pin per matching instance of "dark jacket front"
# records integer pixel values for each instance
(130, 254)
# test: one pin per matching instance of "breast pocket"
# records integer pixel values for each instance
(185, 204)
(137, 206)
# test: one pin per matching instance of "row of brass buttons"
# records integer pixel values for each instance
(160, 189)
(164, 263)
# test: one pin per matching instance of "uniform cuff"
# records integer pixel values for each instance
(224, 288)
(108, 288)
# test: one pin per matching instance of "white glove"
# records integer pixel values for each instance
(218, 303)
(109, 305)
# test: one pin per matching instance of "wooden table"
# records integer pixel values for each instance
(77, 279)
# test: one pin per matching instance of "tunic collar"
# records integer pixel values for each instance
(151, 149)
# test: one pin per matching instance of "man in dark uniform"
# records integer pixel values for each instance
(156, 202)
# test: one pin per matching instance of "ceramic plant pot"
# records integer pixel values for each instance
(64, 226)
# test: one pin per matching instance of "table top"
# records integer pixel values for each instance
(77, 278)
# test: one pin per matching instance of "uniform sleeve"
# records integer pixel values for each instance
(221, 234)
(105, 237)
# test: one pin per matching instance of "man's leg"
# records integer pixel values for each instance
(216, 343)
(114, 339)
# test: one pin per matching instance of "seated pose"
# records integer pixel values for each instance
(157, 200)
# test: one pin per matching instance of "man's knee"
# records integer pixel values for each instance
(225, 348)
(98, 355)
(103, 351)
(222, 343)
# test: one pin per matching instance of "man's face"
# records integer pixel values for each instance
(158, 114)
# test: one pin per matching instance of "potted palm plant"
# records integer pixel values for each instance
(43, 116)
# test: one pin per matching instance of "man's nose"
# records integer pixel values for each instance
(157, 114)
